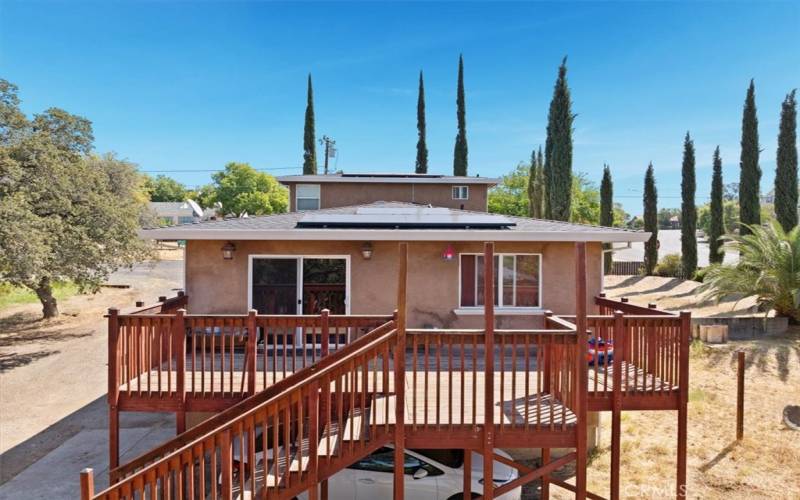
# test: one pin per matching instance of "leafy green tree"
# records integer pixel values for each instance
(163, 188)
(205, 196)
(242, 189)
(786, 171)
(12, 119)
(716, 225)
(536, 186)
(607, 209)
(650, 221)
(750, 172)
(460, 163)
(67, 216)
(309, 140)
(769, 258)
(585, 207)
(665, 215)
(510, 197)
(688, 210)
(422, 147)
(558, 149)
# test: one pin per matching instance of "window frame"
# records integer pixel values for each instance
(297, 196)
(457, 190)
(498, 283)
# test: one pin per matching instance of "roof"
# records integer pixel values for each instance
(387, 178)
(188, 207)
(285, 227)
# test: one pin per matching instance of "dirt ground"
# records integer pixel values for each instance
(50, 370)
(674, 294)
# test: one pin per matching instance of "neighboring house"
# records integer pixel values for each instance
(313, 192)
(345, 259)
(173, 213)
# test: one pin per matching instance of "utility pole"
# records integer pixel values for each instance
(330, 150)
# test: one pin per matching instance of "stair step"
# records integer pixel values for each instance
(329, 434)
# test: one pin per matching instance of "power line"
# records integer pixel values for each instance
(212, 170)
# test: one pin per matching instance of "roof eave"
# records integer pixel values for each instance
(392, 235)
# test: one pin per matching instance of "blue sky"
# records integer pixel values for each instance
(186, 87)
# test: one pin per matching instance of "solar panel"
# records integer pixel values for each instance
(405, 218)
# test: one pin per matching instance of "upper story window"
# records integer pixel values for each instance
(460, 192)
(307, 197)
(517, 280)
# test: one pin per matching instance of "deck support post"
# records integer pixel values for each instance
(683, 389)
(313, 439)
(87, 484)
(251, 356)
(400, 376)
(581, 377)
(226, 464)
(546, 387)
(179, 346)
(488, 315)
(467, 488)
(545, 481)
(113, 391)
(616, 402)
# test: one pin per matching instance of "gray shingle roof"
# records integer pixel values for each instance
(283, 227)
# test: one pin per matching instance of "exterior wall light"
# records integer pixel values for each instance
(449, 253)
(366, 250)
(227, 250)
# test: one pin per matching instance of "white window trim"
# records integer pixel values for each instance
(297, 196)
(458, 189)
(499, 309)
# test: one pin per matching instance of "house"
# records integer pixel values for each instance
(172, 213)
(308, 340)
(313, 192)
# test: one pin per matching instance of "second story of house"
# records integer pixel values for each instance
(313, 192)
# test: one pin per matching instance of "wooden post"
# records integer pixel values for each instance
(139, 303)
(488, 315)
(226, 459)
(616, 402)
(162, 298)
(545, 481)
(581, 367)
(546, 388)
(467, 487)
(326, 332)
(252, 348)
(313, 438)
(113, 391)
(399, 374)
(87, 484)
(179, 343)
(740, 396)
(683, 390)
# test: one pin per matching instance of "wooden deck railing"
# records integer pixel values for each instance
(271, 439)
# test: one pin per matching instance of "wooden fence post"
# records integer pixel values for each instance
(683, 390)
(616, 402)
(488, 346)
(326, 332)
(87, 484)
(113, 391)
(252, 354)
(740, 396)
(581, 367)
(399, 373)
(179, 343)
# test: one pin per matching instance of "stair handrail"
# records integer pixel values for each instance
(242, 409)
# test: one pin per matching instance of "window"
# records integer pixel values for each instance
(307, 197)
(460, 192)
(185, 220)
(517, 280)
(382, 460)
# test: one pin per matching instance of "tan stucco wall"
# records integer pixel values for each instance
(218, 286)
(340, 194)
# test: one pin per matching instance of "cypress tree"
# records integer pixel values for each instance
(716, 227)
(749, 171)
(422, 147)
(309, 141)
(460, 150)
(688, 210)
(607, 210)
(536, 186)
(541, 185)
(558, 149)
(786, 171)
(650, 221)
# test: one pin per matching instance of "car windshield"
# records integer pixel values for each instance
(451, 458)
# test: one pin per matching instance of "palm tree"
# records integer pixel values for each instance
(768, 267)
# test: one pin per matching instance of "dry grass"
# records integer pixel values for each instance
(766, 464)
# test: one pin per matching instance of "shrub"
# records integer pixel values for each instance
(670, 266)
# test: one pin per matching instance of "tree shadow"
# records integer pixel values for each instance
(14, 360)
(24, 328)
(760, 355)
(630, 280)
(664, 287)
